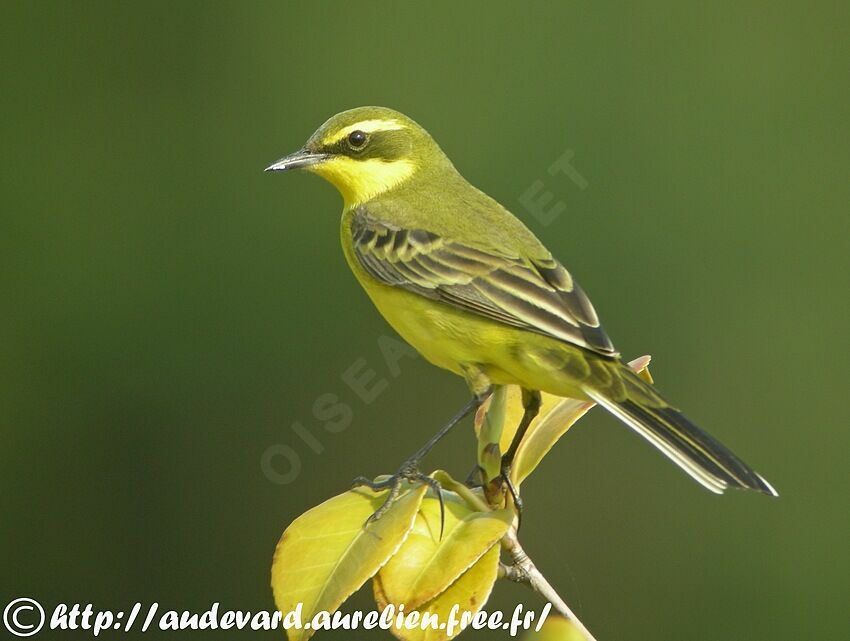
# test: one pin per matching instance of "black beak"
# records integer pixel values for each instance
(301, 158)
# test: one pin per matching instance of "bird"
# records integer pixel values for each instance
(474, 291)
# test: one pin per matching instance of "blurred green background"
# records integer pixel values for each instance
(171, 314)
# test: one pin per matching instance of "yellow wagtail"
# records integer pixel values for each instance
(476, 293)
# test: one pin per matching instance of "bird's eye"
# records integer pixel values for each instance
(357, 139)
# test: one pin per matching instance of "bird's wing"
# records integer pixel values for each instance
(537, 295)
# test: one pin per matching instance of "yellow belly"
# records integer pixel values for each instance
(455, 340)
(442, 335)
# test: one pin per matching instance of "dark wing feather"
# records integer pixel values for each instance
(537, 295)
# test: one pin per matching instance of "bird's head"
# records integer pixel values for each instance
(366, 151)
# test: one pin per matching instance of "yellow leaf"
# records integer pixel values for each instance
(425, 565)
(470, 592)
(555, 629)
(556, 416)
(326, 554)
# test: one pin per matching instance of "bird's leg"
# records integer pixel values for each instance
(531, 404)
(409, 470)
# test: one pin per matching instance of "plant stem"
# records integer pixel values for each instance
(524, 571)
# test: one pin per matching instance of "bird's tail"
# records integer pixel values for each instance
(709, 462)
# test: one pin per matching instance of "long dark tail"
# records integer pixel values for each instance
(698, 453)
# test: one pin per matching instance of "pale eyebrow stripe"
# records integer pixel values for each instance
(367, 126)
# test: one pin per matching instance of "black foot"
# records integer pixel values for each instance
(409, 472)
(514, 491)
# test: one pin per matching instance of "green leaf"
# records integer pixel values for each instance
(425, 565)
(555, 629)
(556, 416)
(470, 592)
(326, 554)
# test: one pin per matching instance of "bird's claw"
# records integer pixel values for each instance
(410, 473)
